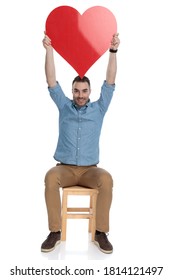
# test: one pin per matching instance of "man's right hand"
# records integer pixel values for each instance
(46, 42)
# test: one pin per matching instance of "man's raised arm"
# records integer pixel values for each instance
(112, 63)
(49, 62)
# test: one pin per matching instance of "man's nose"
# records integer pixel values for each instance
(80, 94)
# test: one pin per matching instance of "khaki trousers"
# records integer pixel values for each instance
(71, 175)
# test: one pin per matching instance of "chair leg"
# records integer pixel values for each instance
(93, 227)
(64, 217)
(90, 220)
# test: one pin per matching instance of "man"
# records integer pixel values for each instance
(77, 152)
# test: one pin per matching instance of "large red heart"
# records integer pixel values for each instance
(81, 39)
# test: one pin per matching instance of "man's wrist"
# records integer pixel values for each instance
(113, 51)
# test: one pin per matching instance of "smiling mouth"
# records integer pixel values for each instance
(80, 99)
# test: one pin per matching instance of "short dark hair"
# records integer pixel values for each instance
(81, 80)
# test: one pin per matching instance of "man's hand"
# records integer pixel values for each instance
(47, 42)
(115, 42)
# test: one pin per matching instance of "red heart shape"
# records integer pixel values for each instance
(81, 39)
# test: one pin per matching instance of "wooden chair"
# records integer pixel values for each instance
(79, 212)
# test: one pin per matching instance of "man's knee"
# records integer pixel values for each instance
(51, 178)
(106, 179)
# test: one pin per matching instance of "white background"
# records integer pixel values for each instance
(136, 140)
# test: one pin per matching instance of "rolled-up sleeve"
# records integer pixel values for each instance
(58, 96)
(106, 96)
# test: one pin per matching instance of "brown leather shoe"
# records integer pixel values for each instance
(53, 239)
(103, 243)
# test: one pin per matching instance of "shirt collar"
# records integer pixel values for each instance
(77, 107)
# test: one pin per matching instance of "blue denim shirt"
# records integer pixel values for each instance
(80, 128)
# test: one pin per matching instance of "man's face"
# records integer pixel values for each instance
(81, 92)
